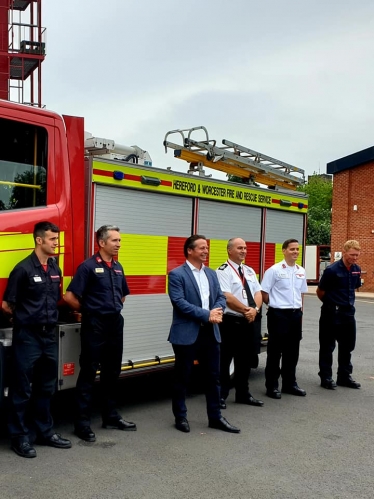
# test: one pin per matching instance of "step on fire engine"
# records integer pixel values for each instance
(48, 171)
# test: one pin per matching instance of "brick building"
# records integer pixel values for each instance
(353, 208)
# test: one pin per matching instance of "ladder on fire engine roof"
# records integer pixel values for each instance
(233, 159)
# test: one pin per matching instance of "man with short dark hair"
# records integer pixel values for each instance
(198, 305)
(337, 323)
(98, 290)
(31, 297)
(282, 287)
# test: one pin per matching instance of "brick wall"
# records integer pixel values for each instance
(351, 187)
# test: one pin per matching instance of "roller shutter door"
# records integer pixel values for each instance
(153, 229)
(219, 222)
(281, 225)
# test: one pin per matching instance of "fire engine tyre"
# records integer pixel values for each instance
(2, 372)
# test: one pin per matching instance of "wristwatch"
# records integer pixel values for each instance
(257, 309)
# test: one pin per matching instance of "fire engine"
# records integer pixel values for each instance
(49, 170)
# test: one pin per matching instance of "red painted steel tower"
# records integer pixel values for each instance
(22, 51)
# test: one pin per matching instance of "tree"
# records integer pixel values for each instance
(319, 191)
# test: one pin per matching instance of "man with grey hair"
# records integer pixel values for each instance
(241, 324)
(337, 323)
(98, 290)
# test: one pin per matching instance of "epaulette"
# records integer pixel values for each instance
(223, 266)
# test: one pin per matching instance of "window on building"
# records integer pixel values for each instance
(23, 165)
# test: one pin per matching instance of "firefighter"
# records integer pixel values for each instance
(31, 297)
(241, 324)
(336, 290)
(282, 288)
(98, 290)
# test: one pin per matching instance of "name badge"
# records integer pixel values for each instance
(37, 278)
(283, 275)
(244, 294)
(99, 270)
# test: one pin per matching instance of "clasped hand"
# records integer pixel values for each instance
(215, 315)
(250, 314)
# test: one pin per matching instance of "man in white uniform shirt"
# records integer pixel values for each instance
(241, 325)
(282, 288)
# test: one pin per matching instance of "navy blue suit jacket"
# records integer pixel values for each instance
(188, 313)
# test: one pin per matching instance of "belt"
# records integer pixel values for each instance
(286, 309)
(233, 317)
(40, 328)
(341, 308)
(100, 315)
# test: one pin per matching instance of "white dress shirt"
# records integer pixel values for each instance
(202, 283)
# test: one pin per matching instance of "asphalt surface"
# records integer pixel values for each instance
(320, 446)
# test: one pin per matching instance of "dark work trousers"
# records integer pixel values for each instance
(336, 324)
(238, 343)
(284, 329)
(33, 381)
(101, 349)
(206, 350)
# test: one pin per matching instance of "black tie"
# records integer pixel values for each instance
(250, 299)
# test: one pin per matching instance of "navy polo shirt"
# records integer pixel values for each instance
(99, 288)
(339, 284)
(34, 292)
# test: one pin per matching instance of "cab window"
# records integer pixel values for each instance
(23, 165)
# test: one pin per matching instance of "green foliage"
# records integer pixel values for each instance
(319, 191)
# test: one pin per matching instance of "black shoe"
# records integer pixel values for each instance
(348, 382)
(294, 390)
(85, 433)
(223, 424)
(249, 400)
(55, 440)
(23, 449)
(274, 393)
(222, 404)
(328, 383)
(119, 424)
(181, 424)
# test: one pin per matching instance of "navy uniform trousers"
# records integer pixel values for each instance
(34, 379)
(336, 324)
(239, 342)
(284, 329)
(101, 349)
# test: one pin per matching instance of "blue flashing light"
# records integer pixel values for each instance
(118, 175)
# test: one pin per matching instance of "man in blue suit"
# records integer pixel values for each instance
(198, 304)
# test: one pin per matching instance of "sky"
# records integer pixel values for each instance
(290, 78)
